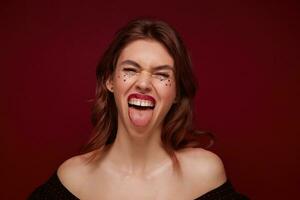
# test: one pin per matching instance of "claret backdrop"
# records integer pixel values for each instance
(244, 55)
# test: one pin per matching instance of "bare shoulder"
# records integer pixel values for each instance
(201, 160)
(74, 171)
(202, 169)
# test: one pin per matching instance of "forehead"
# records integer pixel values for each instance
(147, 53)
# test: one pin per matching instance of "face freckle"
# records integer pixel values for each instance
(125, 77)
(166, 82)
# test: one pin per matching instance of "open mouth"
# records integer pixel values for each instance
(141, 104)
(140, 109)
(141, 101)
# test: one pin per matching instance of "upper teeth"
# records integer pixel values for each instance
(140, 102)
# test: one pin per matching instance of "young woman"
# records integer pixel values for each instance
(141, 146)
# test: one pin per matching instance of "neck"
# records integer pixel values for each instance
(137, 153)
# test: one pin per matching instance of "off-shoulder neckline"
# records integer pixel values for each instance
(222, 187)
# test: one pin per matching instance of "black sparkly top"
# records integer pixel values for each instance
(53, 189)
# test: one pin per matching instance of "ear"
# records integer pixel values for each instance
(109, 84)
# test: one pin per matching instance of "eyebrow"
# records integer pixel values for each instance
(135, 64)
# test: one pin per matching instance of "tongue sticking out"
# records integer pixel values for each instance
(140, 117)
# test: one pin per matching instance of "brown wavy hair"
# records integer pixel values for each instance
(177, 132)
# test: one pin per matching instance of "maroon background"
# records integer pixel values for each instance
(245, 57)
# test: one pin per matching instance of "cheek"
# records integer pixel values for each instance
(123, 78)
(167, 88)
(122, 83)
(167, 84)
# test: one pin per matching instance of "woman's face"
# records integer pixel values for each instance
(143, 85)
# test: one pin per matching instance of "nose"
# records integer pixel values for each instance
(143, 83)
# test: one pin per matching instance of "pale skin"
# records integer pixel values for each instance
(136, 166)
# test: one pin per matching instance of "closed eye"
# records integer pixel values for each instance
(130, 69)
(162, 76)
